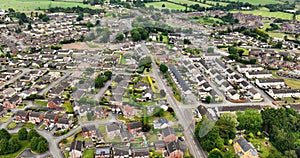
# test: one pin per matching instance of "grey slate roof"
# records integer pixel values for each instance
(177, 75)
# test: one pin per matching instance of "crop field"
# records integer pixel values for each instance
(190, 3)
(31, 5)
(264, 12)
(168, 5)
(257, 2)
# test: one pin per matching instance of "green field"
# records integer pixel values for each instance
(168, 5)
(190, 3)
(257, 2)
(264, 12)
(31, 5)
(215, 3)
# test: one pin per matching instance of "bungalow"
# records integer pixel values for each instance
(201, 80)
(12, 102)
(161, 123)
(233, 94)
(64, 123)
(112, 130)
(225, 86)
(142, 152)
(258, 74)
(270, 83)
(169, 134)
(50, 118)
(244, 149)
(219, 79)
(121, 152)
(103, 152)
(174, 150)
(21, 116)
(244, 68)
(284, 93)
(76, 149)
(245, 85)
(54, 103)
(134, 127)
(229, 72)
(159, 145)
(36, 117)
(254, 94)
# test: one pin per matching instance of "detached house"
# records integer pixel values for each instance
(174, 150)
(103, 152)
(134, 127)
(50, 118)
(244, 149)
(112, 130)
(21, 116)
(64, 123)
(76, 149)
(54, 103)
(91, 132)
(36, 117)
(12, 102)
(169, 134)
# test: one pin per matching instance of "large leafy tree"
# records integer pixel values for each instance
(251, 120)
(227, 125)
(215, 153)
(22, 134)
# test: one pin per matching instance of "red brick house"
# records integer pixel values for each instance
(100, 112)
(50, 118)
(173, 150)
(21, 116)
(134, 127)
(35, 117)
(12, 102)
(88, 131)
(54, 103)
(169, 134)
(64, 123)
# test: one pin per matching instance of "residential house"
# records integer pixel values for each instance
(121, 152)
(244, 68)
(102, 152)
(54, 103)
(161, 123)
(9, 92)
(211, 113)
(112, 130)
(126, 135)
(270, 83)
(178, 78)
(129, 112)
(255, 95)
(12, 102)
(91, 132)
(244, 149)
(134, 127)
(284, 93)
(245, 85)
(64, 123)
(219, 79)
(142, 152)
(159, 145)
(233, 94)
(76, 149)
(50, 118)
(3, 111)
(100, 112)
(169, 134)
(36, 117)
(21, 116)
(258, 74)
(174, 150)
(225, 86)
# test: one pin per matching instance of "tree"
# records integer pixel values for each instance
(163, 68)
(227, 125)
(208, 99)
(120, 37)
(250, 120)
(215, 153)
(161, 38)
(34, 143)
(163, 5)
(22, 134)
(13, 145)
(187, 41)
(136, 36)
(4, 134)
(42, 145)
(158, 112)
(3, 146)
(32, 133)
(146, 62)
(90, 115)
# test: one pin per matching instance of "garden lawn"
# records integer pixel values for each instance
(293, 83)
(40, 103)
(264, 12)
(32, 5)
(264, 150)
(29, 125)
(12, 125)
(188, 2)
(168, 5)
(4, 119)
(88, 153)
(68, 107)
(215, 3)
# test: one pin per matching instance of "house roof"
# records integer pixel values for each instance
(77, 145)
(180, 80)
(88, 128)
(173, 146)
(14, 99)
(270, 80)
(112, 127)
(56, 100)
(50, 116)
(168, 131)
(134, 125)
(246, 146)
(35, 114)
(121, 151)
(63, 121)
(162, 120)
(232, 91)
(125, 134)
(102, 151)
(140, 152)
(159, 144)
(21, 113)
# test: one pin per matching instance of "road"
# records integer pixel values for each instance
(24, 71)
(52, 84)
(102, 91)
(185, 116)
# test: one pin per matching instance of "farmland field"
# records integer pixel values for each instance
(257, 2)
(190, 3)
(31, 5)
(214, 3)
(264, 12)
(168, 5)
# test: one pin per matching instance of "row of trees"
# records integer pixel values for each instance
(37, 143)
(77, 9)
